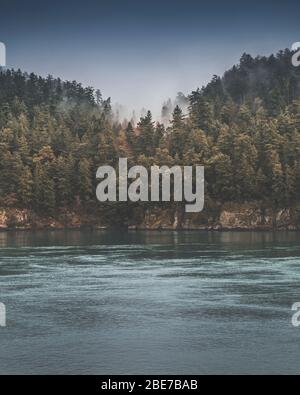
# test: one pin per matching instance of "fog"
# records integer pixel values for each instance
(139, 80)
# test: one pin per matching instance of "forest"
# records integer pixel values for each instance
(243, 127)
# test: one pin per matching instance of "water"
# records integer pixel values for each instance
(149, 303)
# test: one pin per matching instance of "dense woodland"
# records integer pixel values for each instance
(244, 128)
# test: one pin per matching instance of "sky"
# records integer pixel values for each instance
(140, 53)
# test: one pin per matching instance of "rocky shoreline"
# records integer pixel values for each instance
(227, 217)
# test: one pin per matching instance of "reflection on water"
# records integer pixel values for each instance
(73, 238)
(149, 302)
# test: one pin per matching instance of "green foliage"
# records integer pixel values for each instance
(244, 128)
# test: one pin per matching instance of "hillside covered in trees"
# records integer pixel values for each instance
(244, 128)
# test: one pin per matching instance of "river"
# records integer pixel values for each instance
(99, 302)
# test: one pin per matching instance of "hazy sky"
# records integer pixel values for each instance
(142, 52)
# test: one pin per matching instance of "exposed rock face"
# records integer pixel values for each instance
(158, 218)
(26, 219)
(11, 218)
(226, 217)
(3, 219)
(243, 217)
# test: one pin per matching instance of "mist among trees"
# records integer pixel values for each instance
(243, 127)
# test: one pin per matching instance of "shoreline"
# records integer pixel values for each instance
(160, 230)
(230, 217)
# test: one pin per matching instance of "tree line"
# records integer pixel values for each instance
(243, 127)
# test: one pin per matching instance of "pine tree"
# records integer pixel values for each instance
(25, 190)
(201, 112)
(44, 189)
(146, 134)
(130, 135)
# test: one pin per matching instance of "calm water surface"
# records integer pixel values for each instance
(149, 302)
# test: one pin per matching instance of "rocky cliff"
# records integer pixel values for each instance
(225, 217)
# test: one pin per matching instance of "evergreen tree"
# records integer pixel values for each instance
(146, 134)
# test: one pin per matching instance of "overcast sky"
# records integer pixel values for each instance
(142, 52)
